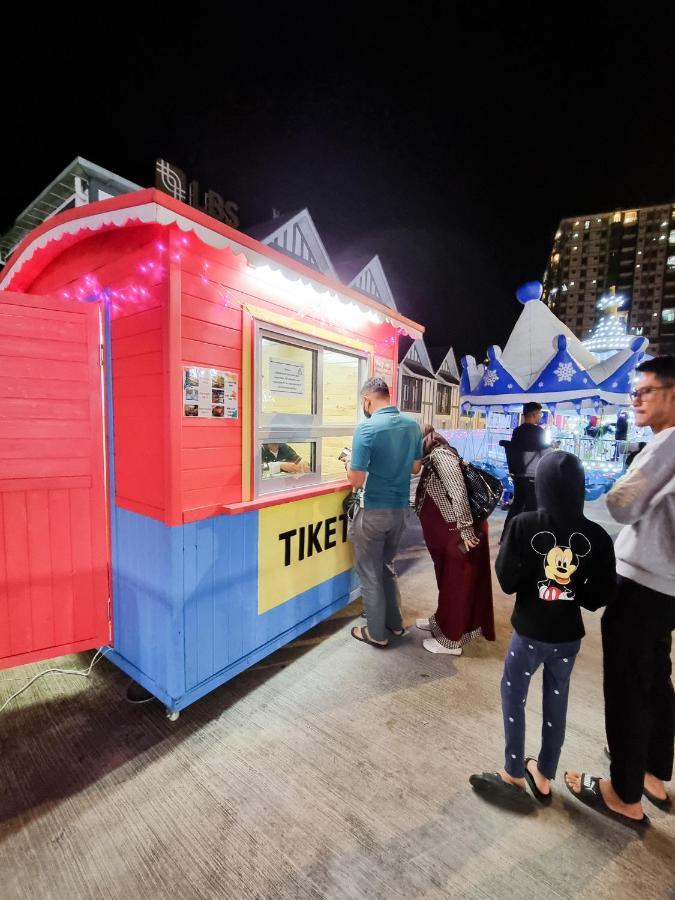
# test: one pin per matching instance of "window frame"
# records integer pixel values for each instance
(267, 427)
(419, 386)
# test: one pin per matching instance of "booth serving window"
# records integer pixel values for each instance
(307, 406)
(411, 394)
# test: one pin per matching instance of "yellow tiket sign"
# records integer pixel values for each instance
(300, 545)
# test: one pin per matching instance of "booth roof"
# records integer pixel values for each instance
(152, 206)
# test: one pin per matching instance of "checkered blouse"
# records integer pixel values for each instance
(443, 481)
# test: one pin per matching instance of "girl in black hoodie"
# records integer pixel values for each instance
(556, 561)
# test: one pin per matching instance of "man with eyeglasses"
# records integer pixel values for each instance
(638, 624)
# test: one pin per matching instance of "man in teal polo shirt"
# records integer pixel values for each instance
(387, 447)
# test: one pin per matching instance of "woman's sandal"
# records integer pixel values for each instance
(545, 799)
(492, 784)
(365, 638)
(591, 795)
(664, 803)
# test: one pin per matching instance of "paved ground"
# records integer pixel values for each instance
(331, 770)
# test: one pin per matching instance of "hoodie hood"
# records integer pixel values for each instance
(560, 485)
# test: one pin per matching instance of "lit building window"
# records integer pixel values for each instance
(671, 262)
(616, 218)
(630, 217)
(671, 237)
(576, 235)
(668, 315)
(587, 224)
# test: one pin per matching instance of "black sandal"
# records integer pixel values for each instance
(591, 796)
(493, 785)
(664, 803)
(365, 637)
(545, 799)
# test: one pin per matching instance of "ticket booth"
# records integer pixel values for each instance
(176, 398)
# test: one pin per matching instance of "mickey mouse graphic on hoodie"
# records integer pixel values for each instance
(556, 560)
(561, 562)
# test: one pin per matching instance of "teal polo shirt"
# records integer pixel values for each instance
(385, 446)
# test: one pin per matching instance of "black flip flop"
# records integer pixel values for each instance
(365, 637)
(493, 785)
(664, 803)
(545, 799)
(591, 796)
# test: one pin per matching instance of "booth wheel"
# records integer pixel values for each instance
(172, 714)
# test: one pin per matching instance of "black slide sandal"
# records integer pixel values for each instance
(493, 785)
(544, 799)
(590, 796)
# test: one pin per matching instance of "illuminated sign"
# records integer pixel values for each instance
(300, 545)
(173, 181)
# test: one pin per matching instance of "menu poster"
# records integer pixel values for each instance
(210, 393)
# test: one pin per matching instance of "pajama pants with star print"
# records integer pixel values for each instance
(523, 658)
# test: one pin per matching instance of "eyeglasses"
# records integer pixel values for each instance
(643, 392)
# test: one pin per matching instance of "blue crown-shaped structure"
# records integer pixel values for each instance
(543, 361)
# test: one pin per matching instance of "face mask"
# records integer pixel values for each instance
(366, 412)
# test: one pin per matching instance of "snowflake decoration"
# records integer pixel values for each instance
(565, 371)
(615, 384)
(509, 386)
(541, 384)
(490, 377)
(585, 380)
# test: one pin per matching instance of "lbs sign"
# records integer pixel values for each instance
(173, 181)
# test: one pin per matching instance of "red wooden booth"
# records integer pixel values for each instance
(151, 357)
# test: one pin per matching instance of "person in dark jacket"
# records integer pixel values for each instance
(556, 561)
(527, 446)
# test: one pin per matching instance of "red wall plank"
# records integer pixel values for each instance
(200, 354)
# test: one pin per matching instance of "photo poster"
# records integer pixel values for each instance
(210, 393)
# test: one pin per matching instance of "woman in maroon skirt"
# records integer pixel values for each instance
(459, 549)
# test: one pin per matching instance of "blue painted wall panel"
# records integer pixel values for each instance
(148, 615)
(186, 601)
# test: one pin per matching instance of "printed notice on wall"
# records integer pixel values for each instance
(287, 378)
(210, 393)
(384, 368)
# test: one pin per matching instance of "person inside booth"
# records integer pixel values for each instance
(282, 459)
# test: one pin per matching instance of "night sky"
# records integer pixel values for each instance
(450, 146)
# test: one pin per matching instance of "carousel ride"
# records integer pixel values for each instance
(583, 388)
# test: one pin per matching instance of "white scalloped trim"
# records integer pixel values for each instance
(149, 213)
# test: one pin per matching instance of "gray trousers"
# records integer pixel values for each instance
(375, 535)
